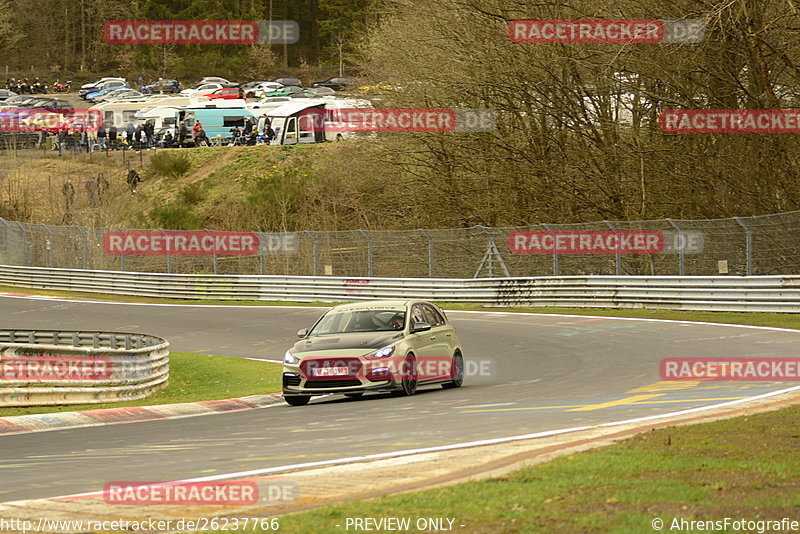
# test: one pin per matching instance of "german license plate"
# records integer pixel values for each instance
(330, 371)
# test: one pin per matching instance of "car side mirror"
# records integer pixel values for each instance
(302, 333)
(421, 327)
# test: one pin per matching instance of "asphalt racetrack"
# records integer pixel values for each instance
(539, 373)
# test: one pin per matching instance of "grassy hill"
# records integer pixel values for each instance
(226, 188)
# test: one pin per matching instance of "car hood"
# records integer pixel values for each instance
(356, 343)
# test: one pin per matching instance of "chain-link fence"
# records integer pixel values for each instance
(763, 245)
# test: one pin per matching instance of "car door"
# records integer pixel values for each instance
(440, 336)
(422, 343)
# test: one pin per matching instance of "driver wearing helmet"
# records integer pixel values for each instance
(397, 322)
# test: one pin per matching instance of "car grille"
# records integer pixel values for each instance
(332, 383)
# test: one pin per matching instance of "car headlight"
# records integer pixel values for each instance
(290, 358)
(384, 352)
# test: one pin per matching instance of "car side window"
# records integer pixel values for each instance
(434, 318)
(417, 315)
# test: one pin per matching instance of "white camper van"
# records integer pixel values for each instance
(312, 121)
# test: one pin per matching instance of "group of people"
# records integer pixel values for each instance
(81, 139)
(252, 134)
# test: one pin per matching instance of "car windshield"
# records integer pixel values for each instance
(347, 321)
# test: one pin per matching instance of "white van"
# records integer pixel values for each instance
(120, 113)
(313, 121)
(160, 116)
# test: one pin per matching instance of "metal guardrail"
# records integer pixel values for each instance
(49, 367)
(713, 293)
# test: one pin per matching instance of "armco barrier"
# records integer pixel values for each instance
(713, 293)
(39, 367)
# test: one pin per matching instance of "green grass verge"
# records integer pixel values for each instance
(746, 467)
(192, 378)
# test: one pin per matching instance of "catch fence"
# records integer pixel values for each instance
(761, 245)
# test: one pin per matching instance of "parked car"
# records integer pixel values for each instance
(103, 83)
(321, 91)
(285, 91)
(226, 93)
(103, 89)
(214, 79)
(288, 81)
(52, 104)
(202, 89)
(388, 345)
(337, 83)
(167, 85)
(20, 101)
(118, 93)
(6, 94)
(258, 90)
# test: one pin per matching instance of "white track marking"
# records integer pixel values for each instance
(465, 445)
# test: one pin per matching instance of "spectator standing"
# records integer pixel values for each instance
(196, 128)
(236, 134)
(183, 131)
(112, 137)
(149, 132)
(130, 129)
(137, 136)
(101, 136)
(91, 136)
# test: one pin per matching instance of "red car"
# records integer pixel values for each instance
(226, 93)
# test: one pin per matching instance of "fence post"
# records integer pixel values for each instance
(682, 251)
(748, 243)
(555, 252)
(260, 253)
(618, 256)
(215, 259)
(430, 252)
(85, 246)
(369, 251)
(122, 256)
(316, 251)
(50, 244)
(169, 256)
(4, 252)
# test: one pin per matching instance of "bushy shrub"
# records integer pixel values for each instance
(170, 164)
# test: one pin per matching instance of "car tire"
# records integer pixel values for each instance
(457, 372)
(409, 380)
(354, 395)
(296, 400)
